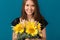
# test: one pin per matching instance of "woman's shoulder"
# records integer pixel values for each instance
(44, 23)
(15, 21)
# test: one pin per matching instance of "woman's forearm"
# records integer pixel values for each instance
(43, 38)
(14, 36)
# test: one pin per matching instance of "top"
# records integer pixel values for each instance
(17, 20)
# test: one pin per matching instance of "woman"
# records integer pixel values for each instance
(30, 10)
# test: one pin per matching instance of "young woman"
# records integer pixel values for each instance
(30, 10)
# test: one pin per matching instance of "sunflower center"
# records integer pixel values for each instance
(31, 30)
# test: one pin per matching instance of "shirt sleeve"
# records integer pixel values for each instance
(15, 21)
(44, 24)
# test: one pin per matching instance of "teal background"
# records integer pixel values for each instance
(11, 9)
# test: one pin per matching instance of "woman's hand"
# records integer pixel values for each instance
(33, 39)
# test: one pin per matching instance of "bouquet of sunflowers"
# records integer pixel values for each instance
(28, 29)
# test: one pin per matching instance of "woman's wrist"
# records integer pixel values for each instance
(33, 39)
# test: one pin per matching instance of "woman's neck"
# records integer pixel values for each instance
(29, 17)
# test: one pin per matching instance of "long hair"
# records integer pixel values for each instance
(37, 15)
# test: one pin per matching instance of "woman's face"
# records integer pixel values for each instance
(29, 7)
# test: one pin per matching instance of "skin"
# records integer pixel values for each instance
(29, 9)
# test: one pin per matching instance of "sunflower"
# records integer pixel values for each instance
(18, 28)
(39, 26)
(31, 28)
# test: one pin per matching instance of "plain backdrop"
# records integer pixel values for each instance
(11, 9)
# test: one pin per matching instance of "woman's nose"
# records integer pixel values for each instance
(30, 7)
